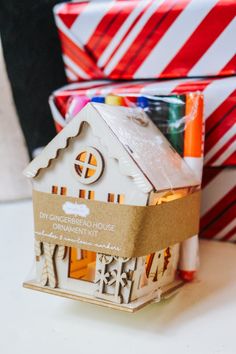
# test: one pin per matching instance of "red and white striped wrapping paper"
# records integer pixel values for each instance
(218, 210)
(142, 39)
(220, 108)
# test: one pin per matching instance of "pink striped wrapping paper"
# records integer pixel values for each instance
(142, 39)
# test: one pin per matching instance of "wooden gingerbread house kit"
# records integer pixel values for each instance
(112, 203)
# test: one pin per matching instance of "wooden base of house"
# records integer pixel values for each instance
(134, 306)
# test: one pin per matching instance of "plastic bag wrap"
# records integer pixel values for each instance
(179, 117)
(162, 177)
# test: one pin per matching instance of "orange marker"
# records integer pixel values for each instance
(194, 127)
(193, 155)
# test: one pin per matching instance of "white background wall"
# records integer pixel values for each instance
(13, 153)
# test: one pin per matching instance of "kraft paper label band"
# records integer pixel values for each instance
(122, 230)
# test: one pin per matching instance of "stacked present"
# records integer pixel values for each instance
(139, 40)
(147, 39)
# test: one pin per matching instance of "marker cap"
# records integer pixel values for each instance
(98, 99)
(75, 105)
(114, 100)
(142, 102)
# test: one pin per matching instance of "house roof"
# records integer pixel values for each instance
(141, 149)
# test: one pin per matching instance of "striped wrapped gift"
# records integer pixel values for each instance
(218, 210)
(142, 39)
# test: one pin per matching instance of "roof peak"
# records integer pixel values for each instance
(147, 155)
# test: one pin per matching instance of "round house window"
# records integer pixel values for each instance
(88, 165)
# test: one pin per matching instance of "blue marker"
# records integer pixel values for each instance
(98, 99)
(142, 102)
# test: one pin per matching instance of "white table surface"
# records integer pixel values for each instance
(201, 318)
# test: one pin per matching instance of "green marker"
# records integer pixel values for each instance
(156, 108)
(175, 132)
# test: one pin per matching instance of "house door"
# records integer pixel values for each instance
(82, 264)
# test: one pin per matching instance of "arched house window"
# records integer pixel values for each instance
(88, 165)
